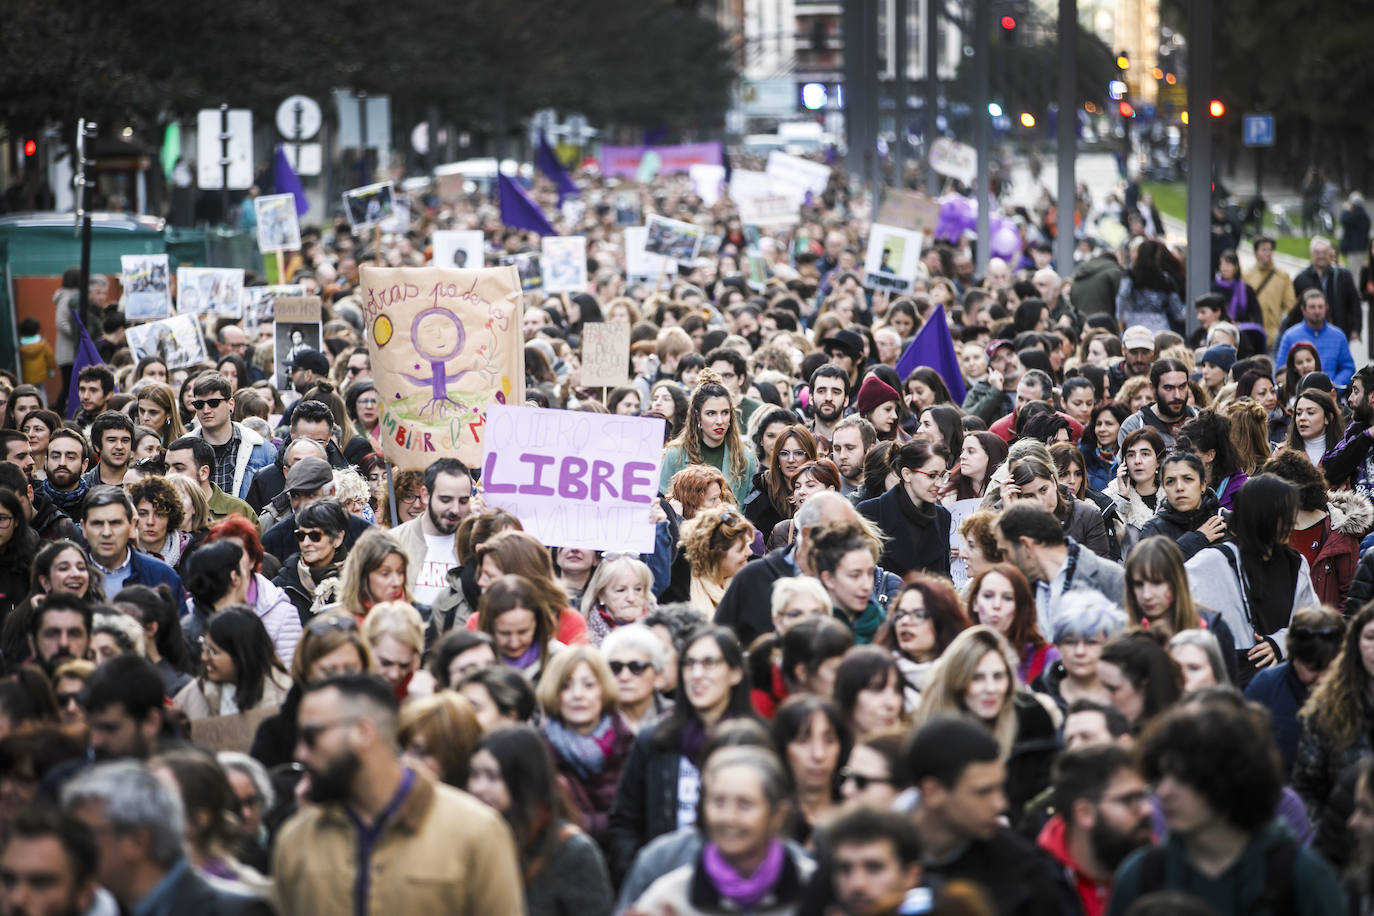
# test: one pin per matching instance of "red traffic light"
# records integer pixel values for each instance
(1217, 108)
(1127, 109)
(1008, 23)
(30, 148)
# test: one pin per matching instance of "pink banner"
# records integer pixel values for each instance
(623, 161)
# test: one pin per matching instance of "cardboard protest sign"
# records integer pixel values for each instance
(279, 227)
(909, 210)
(891, 260)
(574, 479)
(639, 264)
(564, 263)
(673, 239)
(146, 279)
(803, 174)
(605, 354)
(462, 249)
(258, 304)
(528, 265)
(954, 160)
(296, 327)
(210, 289)
(369, 205)
(229, 733)
(176, 341)
(706, 182)
(445, 345)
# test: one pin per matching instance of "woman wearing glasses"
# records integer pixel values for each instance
(771, 500)
(320, 553)
(637, 658)
(922, 621)
(873, 776)
(240, 669)
(364, 405)
(910, 514)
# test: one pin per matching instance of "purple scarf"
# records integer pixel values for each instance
(530, 656)
(739, 890)
(1237, 288)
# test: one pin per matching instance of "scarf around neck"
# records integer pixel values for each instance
(1236, 306)
(744, 891)
(920, 516)
(586, 754)
(66, 500)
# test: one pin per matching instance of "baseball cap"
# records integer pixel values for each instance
(308, 475)
(996, 344)
(1138, 337)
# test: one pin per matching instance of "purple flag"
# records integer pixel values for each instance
(86, 355)
(932, 346)
(286, 181)
(547, 162)
(519, 211)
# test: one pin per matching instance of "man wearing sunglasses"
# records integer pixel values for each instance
(239, 452)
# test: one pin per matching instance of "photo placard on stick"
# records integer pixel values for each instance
(639, 264)
(527, 264)
(258, 304)
(146, 279)
(891, 259)
(673, 239)
(445, 344)
(369, 205)
(210, 289)
(296, 327)
(459, 248)
(574, 479)
(279, 227)
(176, 341)
(605, 354)
(564, 263)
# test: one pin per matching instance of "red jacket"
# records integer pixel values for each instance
(1003, 427)
(1054, 840)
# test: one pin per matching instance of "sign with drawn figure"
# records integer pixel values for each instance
(279, 227)
(296, 326)
(146, 279)
(673, 239)
(369, 205)
(574, 479)
(605, 353)
(445, 344)
(175, 340)
(892, 256)
(564, 263)
(258, 304)
(210, 289)
(527, 263)
(459, 248)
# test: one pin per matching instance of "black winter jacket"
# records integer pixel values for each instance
(1181, 527)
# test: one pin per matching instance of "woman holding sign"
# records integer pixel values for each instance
(711, 436)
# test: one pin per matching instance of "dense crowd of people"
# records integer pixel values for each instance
(1090, 638)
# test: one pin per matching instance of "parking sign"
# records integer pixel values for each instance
(1259, 130)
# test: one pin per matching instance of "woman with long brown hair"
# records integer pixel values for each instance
(1001, 598)
(771, 500)
(1337, 720)
(711, 436)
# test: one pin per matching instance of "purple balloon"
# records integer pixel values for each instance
(1006, 241)
(957, 214)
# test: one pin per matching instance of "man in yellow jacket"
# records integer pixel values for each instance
(381, 838)
(1272, 285)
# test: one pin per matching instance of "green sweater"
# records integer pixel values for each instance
(675, 459)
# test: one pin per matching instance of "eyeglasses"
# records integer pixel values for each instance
(862, 780)
(937, 477)
(314, 535)
(794, 454)
(635, 668)
(706, 664)
(6, 521)
(330, 624)
(309, 734)
(370, 402)
(211, 403)
(252, 801)
(408, 497)
(354, 370)
(920, 615)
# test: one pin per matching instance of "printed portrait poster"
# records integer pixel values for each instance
(445, 344)
(528, 265)
(279, 228)
(892, 257)
(296, 327)
(258, 304)
(146, 279)
(369, 205)
(639, 264)
(673, 239)
(459, 248)
(210, 289)
(564, 263)
(176, 341)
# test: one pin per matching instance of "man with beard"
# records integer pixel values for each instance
(829, 400)
(429, 539)
(849, 445)
(382, 836)
(112, 434)
(47, 865)
(1103, 816)
(59, 630)
(125, 705)
(139, 827)
(1170, 410)
(875, 859)
(1352, 460)
(194, 458)
(1138, 345)
(64, 464)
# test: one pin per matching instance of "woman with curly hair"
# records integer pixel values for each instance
(711, 436)
(160, 515)
(1337, 720)
(717, 545)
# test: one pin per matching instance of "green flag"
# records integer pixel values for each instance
(171, 148)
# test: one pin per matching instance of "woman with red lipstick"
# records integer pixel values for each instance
(711, 436)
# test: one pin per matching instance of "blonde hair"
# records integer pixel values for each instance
(369, 552)
(398, 620)
(789, 588)
(608, 569)
(1130, 389)
(199, 519)
(707, 536)
(952, 674)
(560, 671)
(351, 487)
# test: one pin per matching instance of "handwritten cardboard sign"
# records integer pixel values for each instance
(605, 354)
(446, 344)
(574, 479)
(954, 160)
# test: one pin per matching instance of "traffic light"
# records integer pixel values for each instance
(1217, 108)
(1008, 22)
(1027, 119)
(30, 148)
(1126, 109)
(1122, 61)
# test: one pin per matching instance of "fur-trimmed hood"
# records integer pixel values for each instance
(1350, 512)
(1130, 506)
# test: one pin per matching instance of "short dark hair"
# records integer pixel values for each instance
(830, 370)
(326, 514)
(202, 453)
(110, 419)
(101, 374)
(1162, 367)
(367, 687)
(44, 820)
(451, 466)
(311, 411)
(1084, 773)
(1030, 519)
(106, 495)
(731, 356)
(11, 476)
(128, 681)
(508, 689)
(865, 825)
(1212, 301)
(812, 641)
(212, 383)
(6, 437)
(1117, 723)
(944, 747)
(59, 601)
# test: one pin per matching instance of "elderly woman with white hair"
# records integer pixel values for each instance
(620, 592)
(637, 657)
(1086, 619)
(794, 598)
(1198, 655)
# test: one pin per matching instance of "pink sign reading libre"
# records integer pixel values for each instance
(574, 479)
(623, 161)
